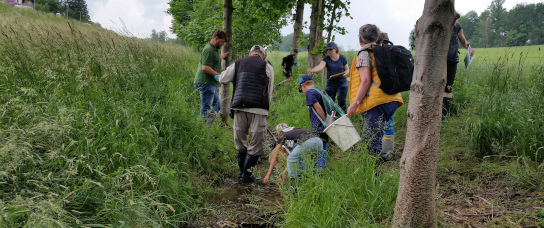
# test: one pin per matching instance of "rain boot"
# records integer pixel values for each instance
(387, 147)
(242, 153)
(247, 175)
(211, 119)
(446, 101)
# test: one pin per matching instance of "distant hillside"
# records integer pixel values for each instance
(286, 42)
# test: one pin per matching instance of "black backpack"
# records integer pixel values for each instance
(395, 67)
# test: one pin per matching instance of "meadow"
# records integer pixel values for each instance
(99, 129)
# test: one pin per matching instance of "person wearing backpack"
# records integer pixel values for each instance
(336, 64)
(453, 59)
(316, 106)
(375, 106)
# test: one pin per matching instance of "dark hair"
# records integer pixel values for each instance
(220, 34)
(369, 33)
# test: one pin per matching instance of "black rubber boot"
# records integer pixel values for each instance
(241, 158)
(446, 101)
(247, 175)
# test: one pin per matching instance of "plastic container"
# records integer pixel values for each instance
(343, 133)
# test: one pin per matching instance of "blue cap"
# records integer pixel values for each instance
(331, 45)
(302, 79)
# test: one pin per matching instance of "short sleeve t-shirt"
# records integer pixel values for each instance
(209, 57)
(335, 67)
(313, 97)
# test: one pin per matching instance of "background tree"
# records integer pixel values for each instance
(254, 22)
(52, 6)
(316, 33)
(297, 26)
(498, 22)
(416, 199)
(224, 90)
(158, 36)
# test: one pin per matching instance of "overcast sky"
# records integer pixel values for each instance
(396, 17)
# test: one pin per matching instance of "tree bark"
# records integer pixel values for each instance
(331, 25)
(224, 90)
(416, 199)
(315, 33)
(297, 27)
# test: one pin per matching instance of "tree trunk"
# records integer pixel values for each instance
(298, 24)
(224, 90)
(416, 199)
(315, 34)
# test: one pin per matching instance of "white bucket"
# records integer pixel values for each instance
(343, 133)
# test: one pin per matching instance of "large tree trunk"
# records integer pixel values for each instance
(315, 33)
(416, 200)
(298, 24)
(224, 91)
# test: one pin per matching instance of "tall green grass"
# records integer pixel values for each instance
(99, 129)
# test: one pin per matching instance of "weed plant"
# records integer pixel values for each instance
(98, 129)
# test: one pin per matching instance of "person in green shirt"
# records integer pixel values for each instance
(205, 81)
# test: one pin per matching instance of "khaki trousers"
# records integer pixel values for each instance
(244, 123)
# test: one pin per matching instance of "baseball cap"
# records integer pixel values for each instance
(295, 50)
(332, 45)
(259, 48)
(302, 79)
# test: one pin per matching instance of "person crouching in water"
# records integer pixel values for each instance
(308, 150)
(253, 81)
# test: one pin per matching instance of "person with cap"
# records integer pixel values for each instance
(375, 106)
(287, 64)
(253, 80)
(314, 101)
(208, 67)
(337, 69)
(306, 149)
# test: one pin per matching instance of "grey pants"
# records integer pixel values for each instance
(244, 123)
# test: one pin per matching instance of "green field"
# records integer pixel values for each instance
(98, 130)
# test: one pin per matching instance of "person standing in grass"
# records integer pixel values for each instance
(253, 80)
(375, 106)
(453, 59)
(314, 101)
(208, 67)
(335, 63)
(308, 149)
(287, 64)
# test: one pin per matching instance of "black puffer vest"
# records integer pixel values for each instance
(250, 84)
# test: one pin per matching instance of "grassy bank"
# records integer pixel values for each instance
(98, 128)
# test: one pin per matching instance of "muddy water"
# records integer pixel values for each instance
(238, 204)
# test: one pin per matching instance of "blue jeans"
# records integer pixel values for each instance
(390, 128)
(376, 120)
(209, 100)
(310, 151)
(334, 87)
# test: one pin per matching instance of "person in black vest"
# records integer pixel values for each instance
(253, 80)
(453, 59)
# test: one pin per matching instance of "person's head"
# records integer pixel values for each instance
(305, 82)
(219, 38)
(280, 129)
(332, 48)
(258, 50)
(368, 34)
(295, 52)
(383, 39)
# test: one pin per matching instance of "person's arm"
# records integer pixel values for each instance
(364, 73)
(317, 68)
(346, 70)
(319, 110)
(228, 74)
(464, 41)
(272, 163)
(270, 74)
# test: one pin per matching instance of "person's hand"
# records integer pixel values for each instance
(265, 180)
(216, 77)
(472, 53)
(223, 54)
(309, 71)
(345, 74)
(351, 110)
(282, 177)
